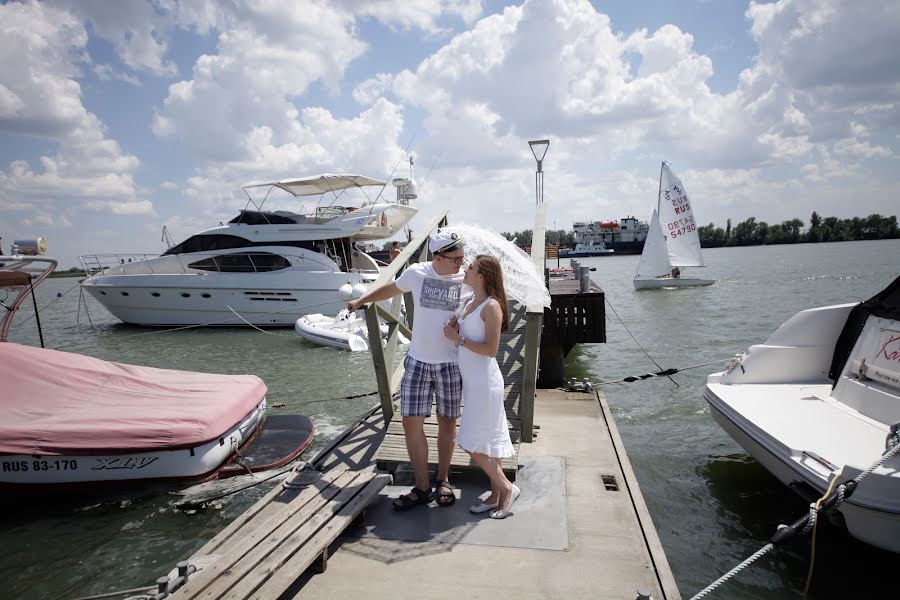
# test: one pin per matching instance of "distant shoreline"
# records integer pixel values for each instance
(78, 273)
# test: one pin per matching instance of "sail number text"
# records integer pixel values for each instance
(681, 227)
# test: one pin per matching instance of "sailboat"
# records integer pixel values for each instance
(672, 242)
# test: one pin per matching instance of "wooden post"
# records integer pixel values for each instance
(534, 318)
(383, 351)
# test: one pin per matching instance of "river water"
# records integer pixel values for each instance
(712, 505)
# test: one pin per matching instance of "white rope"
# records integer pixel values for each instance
(249, 323)
(811, 520)
(229, 320)
(734, 571)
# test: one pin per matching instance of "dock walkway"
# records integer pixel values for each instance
(587, 535)
(580, 529)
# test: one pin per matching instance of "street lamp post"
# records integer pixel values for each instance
(539, 149)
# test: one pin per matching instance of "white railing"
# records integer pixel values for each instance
(177, 264)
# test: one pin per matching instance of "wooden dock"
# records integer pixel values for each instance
(575, 317)
(579, 529)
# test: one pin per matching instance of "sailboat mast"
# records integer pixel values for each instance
(659, 191)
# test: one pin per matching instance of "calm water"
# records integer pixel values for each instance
(712, 505)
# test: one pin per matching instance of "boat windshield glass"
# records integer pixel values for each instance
(244, 262)
(208, 243)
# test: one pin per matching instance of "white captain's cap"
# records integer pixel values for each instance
(444, 241)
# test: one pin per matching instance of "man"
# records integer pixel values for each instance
(431, 363)
(395, 250)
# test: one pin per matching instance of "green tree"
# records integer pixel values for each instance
(791, 230)
(745, 232)
(761, 235)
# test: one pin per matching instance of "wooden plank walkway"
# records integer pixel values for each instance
(510, 359)
(262, 552)
(613, 549)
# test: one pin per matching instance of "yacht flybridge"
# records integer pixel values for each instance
(264, 267)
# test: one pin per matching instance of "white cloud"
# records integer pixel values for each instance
(108, 73)
(40, 61)
(135, 29)
(268, 56)
(413, 14)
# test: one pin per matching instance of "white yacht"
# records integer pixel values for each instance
(264, 268)
(819, 401)
(587, 248)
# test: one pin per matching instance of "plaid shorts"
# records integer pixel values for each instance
(423, 380)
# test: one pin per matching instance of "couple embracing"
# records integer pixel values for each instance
(460, 313)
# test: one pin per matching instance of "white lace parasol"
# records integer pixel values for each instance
(523, 282)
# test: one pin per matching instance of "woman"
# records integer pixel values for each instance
(483, 432)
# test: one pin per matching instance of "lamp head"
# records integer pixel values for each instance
(539, 149)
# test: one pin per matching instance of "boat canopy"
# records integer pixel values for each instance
(885, 304)
(318, 184)
(59, 403)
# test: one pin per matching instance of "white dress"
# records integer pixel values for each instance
(482, 427)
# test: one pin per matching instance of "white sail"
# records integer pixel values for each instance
(676, 220)
(654, 259)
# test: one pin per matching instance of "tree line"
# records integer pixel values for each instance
(555, 237)
(829, 229)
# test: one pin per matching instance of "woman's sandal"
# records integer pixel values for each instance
(405, 502)
(444, 498)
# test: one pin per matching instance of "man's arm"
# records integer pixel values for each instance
(385, 292)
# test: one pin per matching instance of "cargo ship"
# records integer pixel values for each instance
(625, 236)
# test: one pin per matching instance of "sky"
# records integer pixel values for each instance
(119, 118)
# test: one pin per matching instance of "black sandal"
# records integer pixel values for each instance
(444, 498)
(405, 502)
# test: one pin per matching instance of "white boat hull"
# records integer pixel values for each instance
(262, 299)
(350, 334)
(780, 403)
(670, 282)
(876, 527)
(179, 463)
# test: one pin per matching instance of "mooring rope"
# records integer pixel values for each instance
(58, 297)
(637, 342)
(305, 402)
(219, 322)
(664, 372)
(803, 525)
(143, 591)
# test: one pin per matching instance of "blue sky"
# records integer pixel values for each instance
(119, 118)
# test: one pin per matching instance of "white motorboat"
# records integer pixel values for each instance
(589, 248)
(69, 419)
(262, 267)
(672, 242)
(820, 400)
(345, 331)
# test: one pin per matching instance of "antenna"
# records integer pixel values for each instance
(166, 237)
(405, 150)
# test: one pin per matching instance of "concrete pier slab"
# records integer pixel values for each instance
(612, 551)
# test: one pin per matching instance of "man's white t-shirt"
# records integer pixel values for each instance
(437, 298)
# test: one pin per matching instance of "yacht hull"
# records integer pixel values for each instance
(265, 299)
(669, 282)
(574, 254)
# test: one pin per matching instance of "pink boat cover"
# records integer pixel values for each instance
(59, 403)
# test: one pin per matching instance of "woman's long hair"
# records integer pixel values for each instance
(489, 268)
